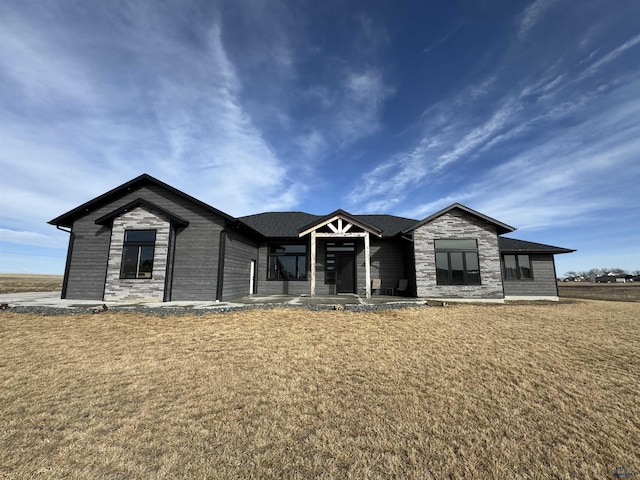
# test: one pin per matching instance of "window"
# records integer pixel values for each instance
(137, 254)
(287, 262)
(457, 262)
(334, 248)
(517, 267)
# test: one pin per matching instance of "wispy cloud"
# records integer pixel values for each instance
(30, 238)
(532, 15)
(475, 129)
(210, 132)
(194, 97)
(449, 133)
(569, 177)
(344, 104)
(254, 106)
(611, 56)
(481, 134)
(444, 38)
(364, 94)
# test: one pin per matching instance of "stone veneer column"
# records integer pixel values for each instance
(117, 288)
(455, 224)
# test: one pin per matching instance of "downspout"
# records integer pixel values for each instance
(65, 279)
(221, 255)
(555, 275)
(502, 276)
(106, 270)
(171, 255)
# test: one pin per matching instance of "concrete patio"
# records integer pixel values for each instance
(53, 300)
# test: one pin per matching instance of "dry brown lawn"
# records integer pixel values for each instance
(16, 282)
(516, 391)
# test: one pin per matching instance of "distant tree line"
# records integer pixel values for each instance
(597, 274)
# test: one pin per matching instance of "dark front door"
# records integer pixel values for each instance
(345, 273)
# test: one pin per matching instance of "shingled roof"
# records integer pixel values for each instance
(279, 224)
(288, 224)
(512, 245)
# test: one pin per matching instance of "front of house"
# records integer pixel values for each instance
(148, 240)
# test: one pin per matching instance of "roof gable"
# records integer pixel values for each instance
(339, 215)
(500, 227)
(67, 219)
(140, 202)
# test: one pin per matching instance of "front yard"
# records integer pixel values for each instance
(503, 391)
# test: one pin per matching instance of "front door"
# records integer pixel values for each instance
(345, 273)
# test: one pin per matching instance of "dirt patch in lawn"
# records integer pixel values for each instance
(475, 391)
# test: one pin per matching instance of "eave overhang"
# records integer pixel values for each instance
(140, 202)
(500, 227)
(515, 246)
(339, 215)
(67, 219)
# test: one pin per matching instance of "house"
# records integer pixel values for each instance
(614, 278)
(148, 240)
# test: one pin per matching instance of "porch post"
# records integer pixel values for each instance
(367, 265)
(313, 263)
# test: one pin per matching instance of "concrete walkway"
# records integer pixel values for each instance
(53, 300)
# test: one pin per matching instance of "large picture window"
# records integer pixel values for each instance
(457, 262)
(137, 254)
(287, 261)
(517, 267)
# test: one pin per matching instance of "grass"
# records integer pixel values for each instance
(16, 283)
(503, 391)
(627, 292)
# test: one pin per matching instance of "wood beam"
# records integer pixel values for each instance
(313, 264)
(342, 235)
(367, 265)
(329, 221)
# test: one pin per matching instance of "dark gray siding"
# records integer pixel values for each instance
(88, 263)
(194, 275)
(543, 283)
(239, 251)
(388, 261)
(410, 267)
(195, 266)
(321, 257)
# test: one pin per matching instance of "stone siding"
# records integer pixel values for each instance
(456, 224)
(117, 288)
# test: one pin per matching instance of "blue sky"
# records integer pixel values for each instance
(528, 111)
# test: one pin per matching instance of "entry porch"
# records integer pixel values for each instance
(341, 238)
